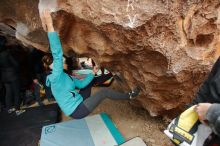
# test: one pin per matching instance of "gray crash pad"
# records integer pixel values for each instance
(137, 141)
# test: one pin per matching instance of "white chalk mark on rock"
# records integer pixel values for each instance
(22, 29)
(131, 16)
(132, 20)
(130, 4)
(51, 5)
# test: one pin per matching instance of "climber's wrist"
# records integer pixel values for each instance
(50, 27)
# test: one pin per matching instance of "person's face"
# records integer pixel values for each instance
(65, 66)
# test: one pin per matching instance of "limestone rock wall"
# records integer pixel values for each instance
(165, 46)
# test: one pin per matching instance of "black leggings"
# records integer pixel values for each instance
(97, 81)
(89, 104)
(12, 94)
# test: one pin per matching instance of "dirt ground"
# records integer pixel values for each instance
(132, 122)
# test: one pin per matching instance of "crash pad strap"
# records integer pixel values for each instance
(114, 131)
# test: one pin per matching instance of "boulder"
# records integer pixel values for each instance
(167, 47)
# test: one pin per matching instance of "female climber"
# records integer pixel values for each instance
(63, 86)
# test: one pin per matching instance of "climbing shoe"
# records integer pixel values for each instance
(11, 110)
(134, 93)
(19, 112)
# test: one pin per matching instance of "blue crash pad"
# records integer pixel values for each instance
(97, 130)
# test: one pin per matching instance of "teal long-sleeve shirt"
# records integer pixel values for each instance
(62, 85)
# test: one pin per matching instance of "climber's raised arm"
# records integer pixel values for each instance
(55, 45)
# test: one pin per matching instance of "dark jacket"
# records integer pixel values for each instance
(209, 92)
(9, 67)
(36, 64)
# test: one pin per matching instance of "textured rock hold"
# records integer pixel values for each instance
(167, 47)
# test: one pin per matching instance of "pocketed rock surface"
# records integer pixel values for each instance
(166, 47)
